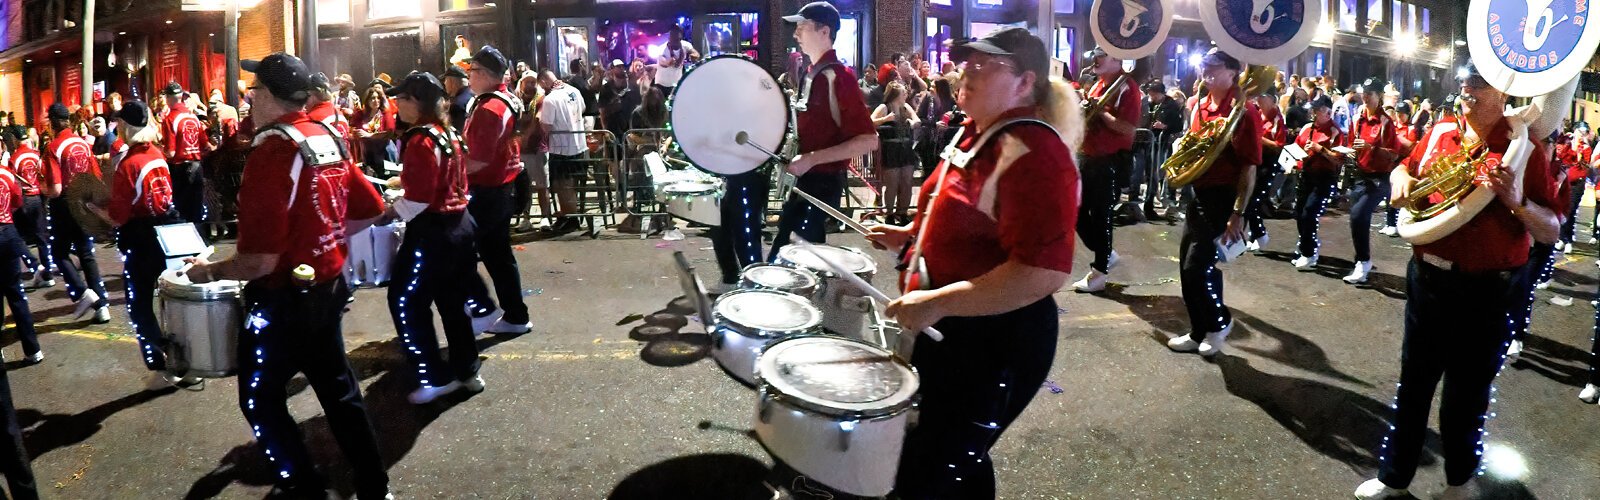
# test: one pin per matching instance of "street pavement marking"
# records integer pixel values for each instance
(541, 355)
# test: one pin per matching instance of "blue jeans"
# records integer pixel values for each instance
(1365, 193)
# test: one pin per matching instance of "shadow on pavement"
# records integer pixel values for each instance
(666, 345)
(43, 433)
(1556, 361)
(718, 475)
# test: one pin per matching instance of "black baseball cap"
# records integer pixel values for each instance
(1216, 57)
(1014, 42)
(135, 113)
(455, 72)
(1323, 102)
(1094, 53)
(491, 60)
(172, 89)
(285, 76)
(319, 81)
(58, 111)
(1373, 85)
(822, 13)
(1154, 86)
(420, 86)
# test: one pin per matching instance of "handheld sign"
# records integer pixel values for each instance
(1130, 29)
(1261, 32)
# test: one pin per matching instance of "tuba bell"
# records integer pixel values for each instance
(1194, 153)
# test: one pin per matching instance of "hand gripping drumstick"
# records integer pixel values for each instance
(855, 280)
(204, 254)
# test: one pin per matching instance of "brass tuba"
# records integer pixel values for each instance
(1201, 146)
(1450, 176)
(1114, 91)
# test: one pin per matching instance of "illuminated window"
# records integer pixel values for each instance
(333, 11)
(394, 8)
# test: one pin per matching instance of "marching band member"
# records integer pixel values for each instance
(998, 241)
(435, 260)
(1319, 176)
(291, 249)
(1460, 290)
(186, 142)
(142, 198)
(737, 242)
(1375, 138)
(320, 107)
(1542, 256)
(68, 156)
(32, 219)
(1407, 131)
(1107, 147)
(1217, 213)
(494, 159)
(12, 249)
(1574, 153)
(1591, 391)
(834, 127)
(1274, 133)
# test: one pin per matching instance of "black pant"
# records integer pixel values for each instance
(1541, 264)
(800, 217)
(1099, 195)
(33, 221)
(1255, 215)
(189, 191)
(297, 330)
(974, 384)
(1455, 329)
(1570, 223)
(67, 239)
(433, 268)
(11, 251)
(737, 242)
(1201, 281)
(14, 462)
(1367, 190)
(491, 210)
(1594, 351)
(143, 261)
(1312, 195)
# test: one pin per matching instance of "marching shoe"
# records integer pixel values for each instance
(39, 281)
(1183, 343)
(481, 324)
(1305, 264)
(1258, 245)
(159, 380)
(36, 358)
(191, 383)
(1375, 489)
(1359, 274)
(1093, 282)
(503, 327)
(426, 394)
(1215, 341)
(1389, 231)
(473, 385)
(1513, 351)
(1542, 285)
(85, 304)
(102, 315)
(1111, 260)
(1252, 246)
(1590, 394)
(1594, 240)
(1566, 247)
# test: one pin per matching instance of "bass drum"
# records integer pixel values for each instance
(720, 98)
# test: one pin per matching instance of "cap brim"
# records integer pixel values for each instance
(250, 65)
(960, 52)
(794, 18)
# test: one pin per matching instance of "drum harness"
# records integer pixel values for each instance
(514, 104)
(315, 151)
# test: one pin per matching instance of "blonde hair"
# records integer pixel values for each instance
(139, 135)
(1058, 104)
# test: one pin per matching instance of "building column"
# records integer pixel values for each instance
(893, 29)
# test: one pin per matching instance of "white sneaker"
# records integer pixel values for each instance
(482, 324)
(1514, 351)
(1590, 394)
(1566, 247)
(85, 304)
(1258, 245)
(502, 327)
(1466, 491)
(1542, 285)
(1359, 274)
(1389, 231)
(102, 315)
(1252, 246)
(191, 383)
(1183, 343)
(1375, 489)
(1093, 282)
(473, 385)
(38, 283)
(1215, 341)
(1304, 264)
(426, 394)
(37, 357)
(1111, 260)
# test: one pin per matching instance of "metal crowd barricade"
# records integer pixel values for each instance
(636, 180)
(597, 180)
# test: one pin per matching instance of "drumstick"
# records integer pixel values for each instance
(855, 280)
(830, 211)
(204, 254)
(743, 138)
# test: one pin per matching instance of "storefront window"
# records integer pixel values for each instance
(394, 8)
(1347, 15)
(1375, 18)
(848, 44)
(333, 11)
(396, 53)
(446, 5)
(574, 46)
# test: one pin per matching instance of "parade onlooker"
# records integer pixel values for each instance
(895, 121)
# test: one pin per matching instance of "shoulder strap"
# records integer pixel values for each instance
(958, 158)
(319, 150)
(825, 69)
(443, 140)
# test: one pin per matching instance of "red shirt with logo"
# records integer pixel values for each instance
(329, 114)
(67, 156)
(1016, 200)
(10, 195)
(1380, 132)
(1101, 141)
(185, 136)
(1273, 128)
(298, 211)
(1243, 152)
(815, 125)
(27, 165)
(1494, 239)
(491, 138)
(142, 185)
(430, 176)
(1328, 136)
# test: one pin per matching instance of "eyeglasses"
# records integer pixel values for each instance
(975, 66)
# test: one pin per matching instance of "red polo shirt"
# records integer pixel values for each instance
(66, 156)
(298, 211)
(1017, 200)
(815, 125)
(27, 165)
(1494, 239)
(1101, 141)
(1273, 128)
(1328, 136)
(1243, 152)
(490, 137)
(140, 192)
(328, 114)
(1379, 131)
(431, 178)
(10, 195)
(185, 135)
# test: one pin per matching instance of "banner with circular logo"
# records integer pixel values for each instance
(1529, 48)
(1130, 29)
(1261, 31)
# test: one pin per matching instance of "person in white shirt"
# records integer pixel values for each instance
(670, 67)
(562, 117)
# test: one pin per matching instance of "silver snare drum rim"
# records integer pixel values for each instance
(793, 255)
(904, 399)
(729, 325)
(806, 289)
(208, 292)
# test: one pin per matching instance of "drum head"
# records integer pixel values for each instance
(768, 310)
(689, 188)
(780, 277)
(838, 374)
(848, 258)
(720, 98)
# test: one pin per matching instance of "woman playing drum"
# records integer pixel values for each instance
(998, 242)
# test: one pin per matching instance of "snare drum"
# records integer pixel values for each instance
(201, 324)
(836, 410)
(845, 308)
(745, 321)
(763, 276)
(695, 201)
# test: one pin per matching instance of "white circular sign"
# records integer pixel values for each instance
(1527, 51)
(1261, 31)
(1130, 29)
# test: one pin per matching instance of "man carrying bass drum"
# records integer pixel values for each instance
(1460, 289)
(996, 234)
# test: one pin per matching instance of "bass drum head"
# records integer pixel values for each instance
(767, 310)
(780, 277)
(718, 99)
(838, 376)
(848, 258)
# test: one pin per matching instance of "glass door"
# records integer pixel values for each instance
(571, 39)
(718, 34)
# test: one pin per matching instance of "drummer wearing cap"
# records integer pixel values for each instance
(459, 94)
(494, 158)
(320, 107)
(185, 144)
(1376, 138)
(834, 127)
(1221, 196)
(66, 157)
(1107, 146)
(435, 262)
(998, 242)
(1459, 291)
(304, 196)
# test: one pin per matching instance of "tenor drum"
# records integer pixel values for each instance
(201, 324)
(763, 276)
(845, 308)
(372, 253)
(836, 410)
(745, 321)
(704, 129)
(693, 200)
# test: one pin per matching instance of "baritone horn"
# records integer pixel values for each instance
(1451, 176)
(1099, 105)
(1194, 153)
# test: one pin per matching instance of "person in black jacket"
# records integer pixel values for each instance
(1163, 118)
